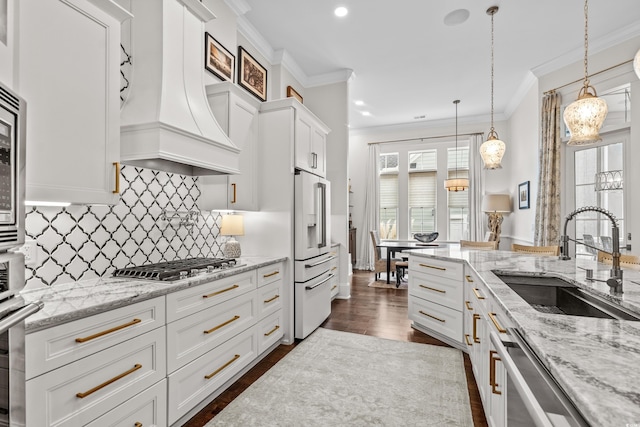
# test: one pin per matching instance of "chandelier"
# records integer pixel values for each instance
(456, 184)
(492, 149)
(584, 117)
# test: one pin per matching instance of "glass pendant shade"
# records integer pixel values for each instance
(492, 151)
(584, 118)
(456, 184)
(636, 64)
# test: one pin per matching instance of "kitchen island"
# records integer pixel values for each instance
(594, 360)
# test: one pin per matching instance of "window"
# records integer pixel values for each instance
(388, 196)
(458, 201)
(422, 191)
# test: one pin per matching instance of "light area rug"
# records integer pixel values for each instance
(384, 285)
(338, 378)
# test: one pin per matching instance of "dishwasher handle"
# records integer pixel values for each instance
(19, 315)
(538, 414)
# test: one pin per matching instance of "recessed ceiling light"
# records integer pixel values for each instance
(366, 113)
(419, 117)
(456, 17)
(359, 103)
(341, 11)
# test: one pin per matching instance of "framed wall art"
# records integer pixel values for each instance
(218, 60)
(251, 75)
(292, 93)
(523, 195)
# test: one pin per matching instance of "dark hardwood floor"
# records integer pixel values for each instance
(370, 311)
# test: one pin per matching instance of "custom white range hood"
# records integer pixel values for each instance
(166, 122)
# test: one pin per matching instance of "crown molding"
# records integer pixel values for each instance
(529, 81)
(239, 7)
(339, 76)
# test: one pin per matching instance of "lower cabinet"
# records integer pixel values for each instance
(334, 268)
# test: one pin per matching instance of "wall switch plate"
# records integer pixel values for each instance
(628, 236)
(30, 252)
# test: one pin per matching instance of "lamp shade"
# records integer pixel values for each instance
(584, 119)
(232, 225)
(496, 203)
(456, 184)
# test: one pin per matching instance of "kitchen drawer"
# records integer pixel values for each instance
(123, 371)
(193, 336)
(311, 268)
(312, 304)
(436, 317)
(269, 299)
(270, 330)
(436, 267)
(192, 383)
(270, 274)
(444, 291)
(148, 408)
(188, 301)
(477, 293)
(51, 348)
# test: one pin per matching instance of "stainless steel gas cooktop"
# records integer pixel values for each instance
(176, 270)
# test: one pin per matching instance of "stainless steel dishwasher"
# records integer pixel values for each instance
(533, 396)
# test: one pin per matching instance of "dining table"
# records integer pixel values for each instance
(393, 246)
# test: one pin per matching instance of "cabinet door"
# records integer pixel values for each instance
(69, 61)
(319, 151)
(304, 136)
(497, 389)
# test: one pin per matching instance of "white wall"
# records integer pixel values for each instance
(8, 44)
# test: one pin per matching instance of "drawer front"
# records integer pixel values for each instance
(195, 381)
(269, 299)
(188, 301)
(447, 292)
(193, 336)
(312, 304)
(270, 331)
(270, 274)
(477, 293)
(105, 380)
(436, 317)
(57, 346)
(148, 408)
(436, 267)
(311, 268)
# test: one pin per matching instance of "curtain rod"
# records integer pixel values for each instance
(589, 76)
(426, 137)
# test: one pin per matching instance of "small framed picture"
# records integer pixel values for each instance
(218, 60)
(523, 195)
(291, 93)
(251, 75)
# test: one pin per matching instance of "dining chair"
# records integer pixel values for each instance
(401, 269)
(485, 246)
(626, 260)
(380, 264)
(536, 250)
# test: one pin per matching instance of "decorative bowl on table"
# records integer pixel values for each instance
(426, 237)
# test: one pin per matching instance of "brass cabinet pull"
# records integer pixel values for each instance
(333, 287)
(469, 279)
(230, 288)
(468, 304)
(433, 317)
(433, 289)
(476, 317)
(137, 425)
(466, 338)
(217, 371)
(215, 328)
(117, 165)
(271, 274)
(234, 192)
(108, 331)
(334, 268)
(500, 329)
(475, 291)
(492, 372)
(433, 266)
(272, 299)
(106, 383)
(272, 331)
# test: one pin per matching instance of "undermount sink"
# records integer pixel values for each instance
(557, 296)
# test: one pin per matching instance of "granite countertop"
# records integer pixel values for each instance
(596, 361)
(71, 301)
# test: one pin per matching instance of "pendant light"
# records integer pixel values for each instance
(636, 64)
(456, 184)
(585, 116)
(492, 149)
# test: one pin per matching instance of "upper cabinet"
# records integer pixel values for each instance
(309, 133)
(237, 113)
(69, 61)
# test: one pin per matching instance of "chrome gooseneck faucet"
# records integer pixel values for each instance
(615, 278)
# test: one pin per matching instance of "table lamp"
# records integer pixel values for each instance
(232, 225)
(495, 205)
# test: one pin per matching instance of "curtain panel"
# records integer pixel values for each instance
(476, 173)
(371, 220)
(547, 225)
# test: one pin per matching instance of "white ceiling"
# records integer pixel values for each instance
(408, 63)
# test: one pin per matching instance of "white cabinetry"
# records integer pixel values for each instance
(69, 61)
(103, 363)
(334, 268)
(308, 135)
(270, 292)
(237, 113)
(435, 298)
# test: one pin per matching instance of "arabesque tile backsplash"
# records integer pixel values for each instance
(86, 241)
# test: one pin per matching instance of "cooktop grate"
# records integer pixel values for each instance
(170, 270)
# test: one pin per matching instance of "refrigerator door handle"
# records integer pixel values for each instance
(321, 214)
